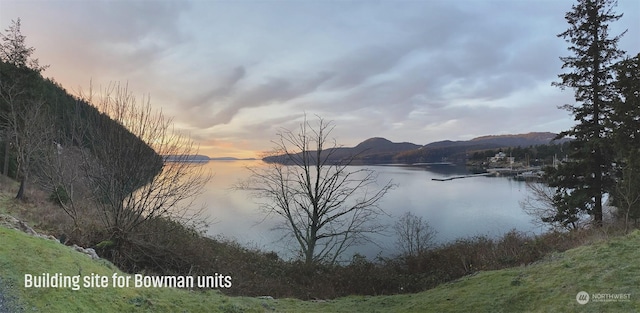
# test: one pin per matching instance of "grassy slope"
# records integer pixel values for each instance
(21, 254)
(550, 286)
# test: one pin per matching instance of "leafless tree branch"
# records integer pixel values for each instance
(325, 205)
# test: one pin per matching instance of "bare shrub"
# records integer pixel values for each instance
(540, 205)
(414, 235)
(126, 168)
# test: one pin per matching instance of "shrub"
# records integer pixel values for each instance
(59, 195)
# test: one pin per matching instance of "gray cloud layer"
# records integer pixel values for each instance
(417, 70)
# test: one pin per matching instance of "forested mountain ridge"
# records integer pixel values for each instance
(39, 119)
(379, 150)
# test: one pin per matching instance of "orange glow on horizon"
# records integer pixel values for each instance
(218, 148)
(219, 152)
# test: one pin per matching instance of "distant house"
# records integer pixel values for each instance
(501, 157)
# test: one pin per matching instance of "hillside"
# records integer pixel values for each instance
(381, 151)
(458, 151)
(608, 267)
(528, 139)
(371, 151)
(71, 122)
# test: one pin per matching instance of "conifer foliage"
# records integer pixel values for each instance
(582, 181)
(626, 138)
(23, 111)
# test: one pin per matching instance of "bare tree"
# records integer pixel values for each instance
(540, 204)
(59, 170)
(25, 123)
(628, 195)
(30, 129)
(125, 163)
(324, 204)
(12, 93)
(415, 235)
(23, 115)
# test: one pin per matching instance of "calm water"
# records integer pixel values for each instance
(457, 208)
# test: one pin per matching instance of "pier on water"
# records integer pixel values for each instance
(521, 173)
(463, 176)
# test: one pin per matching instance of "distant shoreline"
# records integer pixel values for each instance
(197, 158)
(232, 159)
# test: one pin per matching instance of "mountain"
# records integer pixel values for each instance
(378, 150)
(371, 151)
(522, 140)
(457, 151)
(498, 141)
(381, 145)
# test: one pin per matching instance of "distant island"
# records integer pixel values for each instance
(232, 159)
(195, 158)
(198, 158)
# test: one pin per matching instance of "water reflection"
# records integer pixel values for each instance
(457, 208)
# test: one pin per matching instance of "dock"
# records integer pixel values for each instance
(463, 176)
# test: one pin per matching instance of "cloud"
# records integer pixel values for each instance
(236, 71)
(219, 91)
(223, 104)
(101, 40)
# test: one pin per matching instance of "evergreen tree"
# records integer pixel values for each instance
(23, 112)
(625, 121)
(581, 182)
(14, 50)
(626, 135)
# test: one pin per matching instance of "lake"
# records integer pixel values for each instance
(457, 208)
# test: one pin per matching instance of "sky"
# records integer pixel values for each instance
(233, 74)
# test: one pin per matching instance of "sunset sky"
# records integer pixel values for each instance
(232, 73)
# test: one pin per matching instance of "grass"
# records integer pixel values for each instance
(21, 254)
(608, 267)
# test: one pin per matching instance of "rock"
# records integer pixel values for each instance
(11, 222)
(92, 253)
(88, 251)
(265, 297)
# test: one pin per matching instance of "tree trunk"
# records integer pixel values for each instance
(5, 168)
(311, 247)
(597, 210)
(20, 194)
(598, 186)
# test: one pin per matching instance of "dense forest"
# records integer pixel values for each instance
(37, 115)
